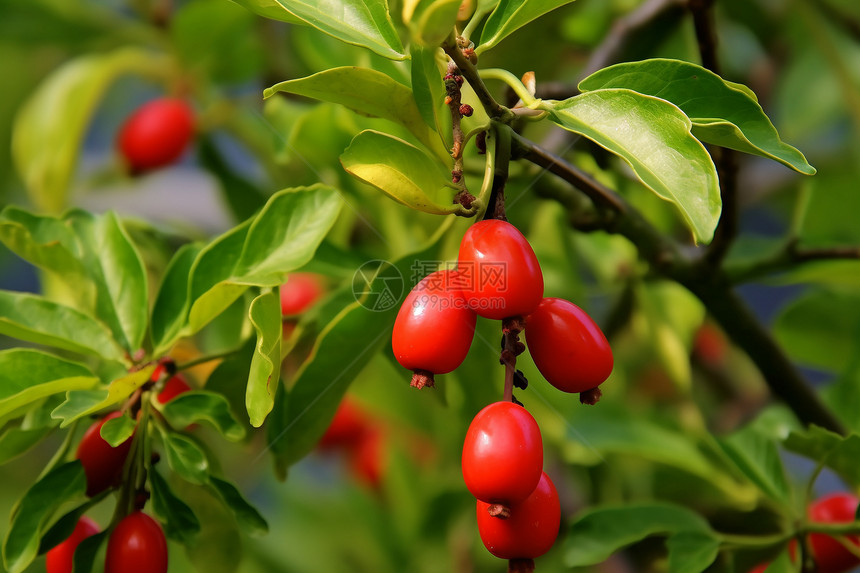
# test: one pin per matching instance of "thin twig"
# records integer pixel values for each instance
(789, 257)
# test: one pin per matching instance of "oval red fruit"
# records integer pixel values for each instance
(502, 454)
(531, 529)
(347, 427)
(433, 330)
(367, 458)
(300, 292)
(60, 558)
(830, 555)
(156, 134)
(173, 388)
(102, 463)
(136, 545)
(567, 346)
(501, 274)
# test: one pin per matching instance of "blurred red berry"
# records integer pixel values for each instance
(300, 292)
(102, 463)
(60, 558)
(156, 134)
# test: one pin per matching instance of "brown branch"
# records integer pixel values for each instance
(470, 72)
(789, 257)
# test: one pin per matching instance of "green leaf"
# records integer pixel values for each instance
(179, 520)
(367, 92)
(599, 532)
(758, 458)
(430, 21)
(117, 430)
(511, 15)
(80, 403)
(36, 319)
(85, 554)
(344, 347)
(820, 328)
(723, 113)
(64, 526)
(28, 375)
(363, 23)
(118, 272)
(692, 552)
(263, 379)
(402, 171)
(246, 513)
(428, 89)
(261, 251)
(51, 125)
(830, 449)
(653, 137)
(186, 458)
(17, 441)
(202, 406)
(170, 310)
(243, 197)
(64, 483)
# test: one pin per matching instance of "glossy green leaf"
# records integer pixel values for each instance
(117, 430)
(16, 441)
(692, 552)
(117, 270)
(261, 251)
(653, 137)
(723, 113)
(830, 449)
(36, 319)
(80, 403)
(27, 375)
(364, 23)
(64, 483)
(178, 519)
(758, 458)
(203, 406)
(264, 377)
(219, 546)
(510, 15)
(88, 550)
(65, 525)
(367, 92)
(428, 89)
(820, 328)
(186, 458)
(402, 171)
(246, 514)
(430, 21)
(597, 533)
(171, 304)
(50, 127)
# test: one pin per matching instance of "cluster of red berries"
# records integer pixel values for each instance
(156, 134)
(829, 554)
(498, 277)
(137, 543)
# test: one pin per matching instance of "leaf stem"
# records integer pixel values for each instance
(470, 73)
(512, 81)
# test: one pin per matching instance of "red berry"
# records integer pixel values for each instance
(174, 387)
(60, 558)
(502, 454)
(531, 529)
(760, 568)
(710, 345)
(300, 292)
(102, 463)
(347, 427)
(434, 329)
(156, 134)
(501, 274)
(137, 545)
(567, 346)
(830, 555)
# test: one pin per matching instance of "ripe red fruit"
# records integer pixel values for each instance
(502, 454)
(567, 347)
(102, 463)
(501, 274)
(174, 387)
(156, 134)
(710, 345)
(60, 558)
(347, 427)
(300, 292)
(830, 555)
(367, 458)
(434, 329)
(531, 529)
(136, 545)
